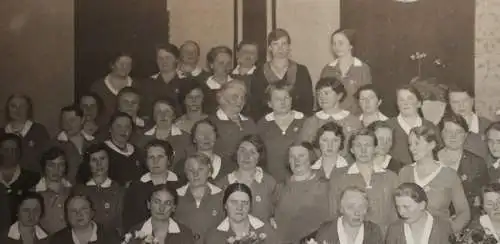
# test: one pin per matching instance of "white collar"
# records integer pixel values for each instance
(405, 126)
(338, 116)
(474, 124)
(426, 232)
(147, 227)
(236, 70)
(129, 150)
(214, 85)
(381, 117)
(496, 164)
(171, 176)
(93, 238)
(106, 184)
(17, 173)
(386, 162)
(24, 131)
(223, 116)
(356, 63)
(488, 227)
(296, 115)
(213, 189)
(344, 239)
(42, 184)
(254, 222)
(197, 71)
(216, 165)
(353, 170)
(112, 89)
(14, 233)
(174, 131)
(63, 136)
(425, 181)
(259, 175)
(341, 163)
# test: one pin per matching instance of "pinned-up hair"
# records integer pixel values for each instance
(277, 34)
(413, 191)
(334, 83)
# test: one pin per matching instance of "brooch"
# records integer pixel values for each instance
(106, 205)
(258, 198)
(295, 129)
(31, 143)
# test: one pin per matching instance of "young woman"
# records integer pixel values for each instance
(369, 101)
(329, 141)
(129, 101)
(220, 62)
(188, 66)
(92, 108)
(493, 140)
(247, 56)
(191, 98)
(385, 141)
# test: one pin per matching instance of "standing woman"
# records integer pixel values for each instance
(441, 184)
(385, 139)
(369, 101)
(220, 61)
(329, 141)
(188, 66)
(493, 140)
(191, 99)
(19, 117)
(350, 70)
(279, 130)
(282, 68)
(92, 107)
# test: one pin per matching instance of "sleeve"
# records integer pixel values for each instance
(304, 87)
(459, 201)
(130, 207)
(119, 216)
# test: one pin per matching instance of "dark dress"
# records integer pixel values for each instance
(248, 79)
(155, 88)
(103, 237)
(328, 232)
(125, 167)
(5, 210)
(440, 233)
(177, 232)
(12, 236)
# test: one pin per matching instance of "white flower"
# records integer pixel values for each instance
(262, 236)
(128, 236)
(140, 234)
(231, 240)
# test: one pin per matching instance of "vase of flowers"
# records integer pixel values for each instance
(250, 238)
(473, 236)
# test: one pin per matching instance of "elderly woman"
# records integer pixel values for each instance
(159, 155)
(301, 201)
(54, 188)
(378, 182)
(105, 193)
(416, 225)
(492, 134)
(490, 221)
(282, 68)
(27, 228)
(471, 168)
(191, 97)
(81, 228)
(199, 205)
(188, 62)
(228, 118)
(239, 224)
(329, 140)
(350, 70)
(369, 101)
(220, 61)
(351, 226)
(441, 184)
(160, 227)
(249, 155)
(92, 107)
(385, 138)
(19, 118)
(279, 129)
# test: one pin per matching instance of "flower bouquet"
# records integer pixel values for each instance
(251, 238)
(139, 237)
(473, 236)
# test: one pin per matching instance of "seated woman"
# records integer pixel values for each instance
(301, 201)
(416, 225)
(189, 58)
(220, 62)
(492, 134)
(105, 194)
(490, 221)
(199, 205)
(81, 226)
(471, 168)
(279, 130)
(351, 226)
(329, 140)
(34, 136)
(249, 157)
(441, 184)
(27, 228)
(385, 139)
(54, 189)
(159, 155)
(379, 183)
(160, 227)
(369, 101)
(191, 98)
(239, 224)
(91, 105)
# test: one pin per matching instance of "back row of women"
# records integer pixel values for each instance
(333, 175)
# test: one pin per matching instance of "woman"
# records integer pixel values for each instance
(301, 201)
(125, 159)
(490, 221)
(279, 129)
(369, 101)
(189, 58)
(492, 134)
(160, 227)
(239, 224)
(246, 60)
(350, 70)
(385, 139)
(249, 156)
(159, 155)
(220, 62)
(27, 228)
(330, 92)
(81, 228)
(409, 102)
(19, 118)
(191, 97)
(378, 182)
(54, 189)
(416, 225)
(281, 68)
(199, 205)
(471, 168)
(351, 226)
(329, 140)
(92, 107)
(105, 193)
(129, 102)
(441, 184)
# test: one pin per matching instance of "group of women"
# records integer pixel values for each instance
(179, 158)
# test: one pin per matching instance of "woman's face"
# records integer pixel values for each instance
(165, 61)
(491, 205)
(233, 99)
(10, 153)
(363, 148)
(354, 207)
(157, 160)
(122, 66)
(384, 141)
(197, 173)
(247, 55)
(329, 143)
(99, 163)
(204, 137)
(493, 139)
(280, 101)
(80, 213)
(163, 114)
(129, 103)
(18, 109)
(341, 45)
(238, 206)
(280, 48)
(71, 123)
(369, 102)
(194, 100)
(89, 107)
(419, 147)
(300, 161)
(121, 130)
(461, 103)
(247, 156)
(409, 210)
(189, 54)
(222, 64)
(55, 169)
(162, 205)
(453, 136)
(30, 212)
(408, 103)
(327, 98)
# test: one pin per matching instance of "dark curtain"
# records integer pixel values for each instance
(103, 28)
(255, 25)
(389, 32)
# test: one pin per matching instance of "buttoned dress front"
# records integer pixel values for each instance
(54, 219)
